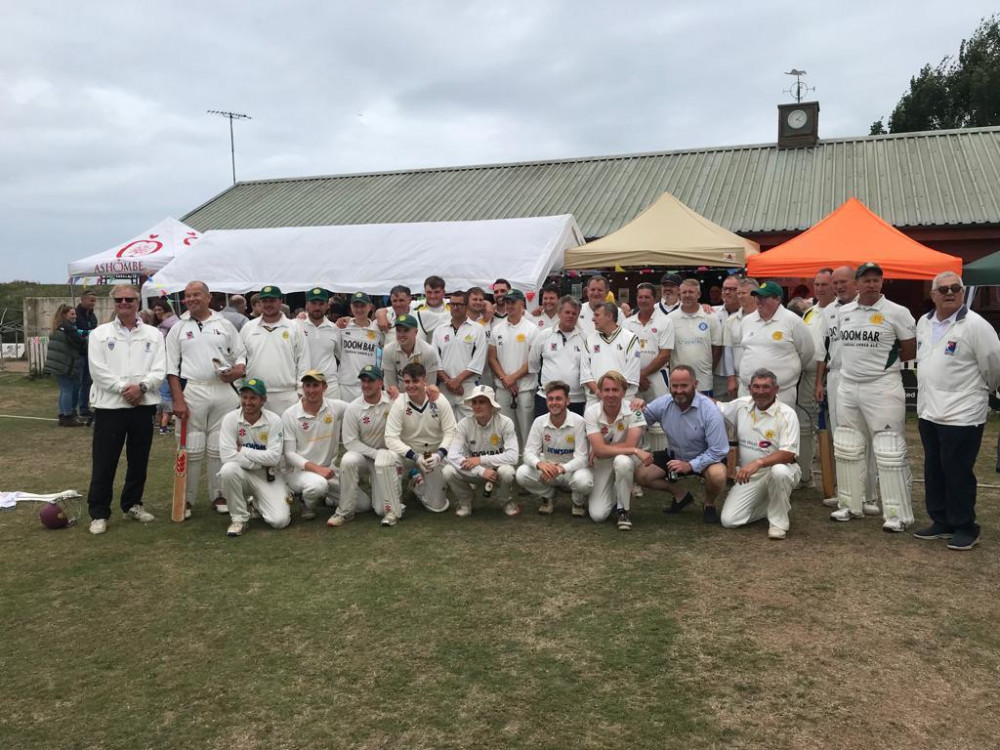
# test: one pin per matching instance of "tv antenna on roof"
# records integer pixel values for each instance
(798, 89)
(232, 146)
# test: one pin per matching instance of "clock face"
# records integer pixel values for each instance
(797, 118)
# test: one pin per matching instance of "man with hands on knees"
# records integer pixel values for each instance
(768, 433)
(698, 444)
(614, 431)
(557, 453)
(312, 442)
(251, 442)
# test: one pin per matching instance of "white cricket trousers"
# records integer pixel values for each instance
(270, 498)
(353, 466)
(459, 480)
(521, 409)
(766, 495)
(808, 412)
(389, 470)
(208, 401)
(579, 483)
(280, 401)
(313, 488)
(613, 480)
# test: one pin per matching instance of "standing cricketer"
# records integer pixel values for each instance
(875, 336)
(462, 347)
(510, 344)
(205, 356)
(322, 339)
(277, 352)
(776, 339)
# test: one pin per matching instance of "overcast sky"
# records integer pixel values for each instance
(104, 131)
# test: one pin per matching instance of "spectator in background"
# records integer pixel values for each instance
(86, 321)
(165, 320)
(235, 311)
(255, 306)
(63, 360)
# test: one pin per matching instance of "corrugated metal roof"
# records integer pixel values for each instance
(938, 178)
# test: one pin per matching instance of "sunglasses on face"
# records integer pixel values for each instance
(952, 289)
(124, 300)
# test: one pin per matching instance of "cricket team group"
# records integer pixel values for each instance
(454, 399)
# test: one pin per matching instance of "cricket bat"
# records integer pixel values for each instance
(826, 464)
(180, 475)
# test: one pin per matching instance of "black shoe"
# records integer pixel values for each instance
(708, 515)
(934, 531)
(676, 506)
(962, 541)
(624, 522)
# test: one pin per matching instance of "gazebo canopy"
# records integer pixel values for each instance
(850, 236)
(667, 233)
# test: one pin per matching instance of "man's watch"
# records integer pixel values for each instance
(143, 387)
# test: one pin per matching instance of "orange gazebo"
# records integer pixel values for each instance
(850, 236)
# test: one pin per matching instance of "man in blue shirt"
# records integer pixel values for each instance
(698, 444)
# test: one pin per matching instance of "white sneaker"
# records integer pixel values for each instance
(637, 490)
(871, 509)
(390, 519)
(187, 511)
(140, 514)
(831, 502)
(220, 505)
(547, 507)
(254, 513)
(463, 511)
(893, 526)
(844, 514)
(236, 528)
(775, 533)
(308, 513)
(337, 520)
(512, 508)
(579, 511)
(98, 526)
(807, 484)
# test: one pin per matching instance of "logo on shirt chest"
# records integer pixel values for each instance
(703, 326)
(597, 348)
(877, 319)
(777, 335)
(519, 338)
(305, 427)
(950, 347)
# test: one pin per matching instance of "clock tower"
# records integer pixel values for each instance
(798, 124)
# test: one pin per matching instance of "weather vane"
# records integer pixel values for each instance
(232, 145)
(798, 89)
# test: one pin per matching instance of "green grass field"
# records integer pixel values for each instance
(533, 632)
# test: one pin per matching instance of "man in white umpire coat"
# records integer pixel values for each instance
(958, 358)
